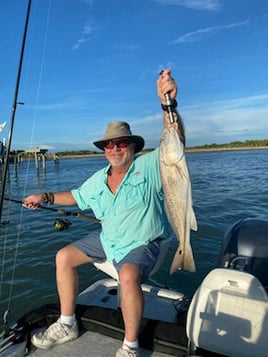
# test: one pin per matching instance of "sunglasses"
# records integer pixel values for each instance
(121, 143)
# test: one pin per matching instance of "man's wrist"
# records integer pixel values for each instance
(173, 106)
(48, 197)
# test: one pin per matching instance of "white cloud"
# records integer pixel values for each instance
(200, 34)
(88, 29)
(209, 5)
(212, 122)
(225, 121)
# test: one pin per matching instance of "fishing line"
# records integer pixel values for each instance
(12, 120)
(15, 102)
(41, 71)
(3, 258)
(4, 228)
(13, 269)
(38, 90)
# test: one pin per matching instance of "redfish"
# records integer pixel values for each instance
(177, 189)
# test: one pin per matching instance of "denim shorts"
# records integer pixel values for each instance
(144, 256)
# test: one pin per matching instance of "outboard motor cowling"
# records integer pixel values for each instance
(245, 248)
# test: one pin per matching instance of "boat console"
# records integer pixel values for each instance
(228, 315)
(245, 248)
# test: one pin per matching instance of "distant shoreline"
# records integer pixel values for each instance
(188, 150)
(227, 149)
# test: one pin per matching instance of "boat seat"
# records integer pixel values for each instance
(108, 268)
(228, 315)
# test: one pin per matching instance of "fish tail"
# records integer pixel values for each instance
(177, 262)
(189, 263)
(183, 260)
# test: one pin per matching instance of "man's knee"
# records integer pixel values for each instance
(71, 256)
(63, 256)
(129, 274)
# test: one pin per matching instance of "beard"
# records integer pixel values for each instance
(116, 163)
(121, 159)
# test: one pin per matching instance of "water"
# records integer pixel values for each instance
(227, 186)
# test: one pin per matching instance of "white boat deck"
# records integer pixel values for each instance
(90, 344)
(101, 332)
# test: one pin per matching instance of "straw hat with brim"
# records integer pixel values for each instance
(119, 129)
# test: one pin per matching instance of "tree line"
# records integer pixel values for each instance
(233, 144)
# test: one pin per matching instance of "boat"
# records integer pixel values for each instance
(227, 315)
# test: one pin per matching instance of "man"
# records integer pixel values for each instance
(127, 197)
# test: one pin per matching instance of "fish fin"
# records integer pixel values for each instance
(183, 260)
(194, 226)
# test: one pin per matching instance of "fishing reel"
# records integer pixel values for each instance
(62, 225)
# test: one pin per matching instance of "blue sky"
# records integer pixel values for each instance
(89, 62)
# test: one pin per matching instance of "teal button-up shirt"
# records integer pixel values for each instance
(132, 217)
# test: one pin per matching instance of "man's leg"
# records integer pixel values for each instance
(134, 270)
(67, 260)
(132, 301)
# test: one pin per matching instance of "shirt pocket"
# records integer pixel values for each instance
(96, 204)
(134, 195)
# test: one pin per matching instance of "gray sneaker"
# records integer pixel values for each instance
(55, 334)
(126, 351)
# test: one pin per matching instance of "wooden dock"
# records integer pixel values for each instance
(40, 156)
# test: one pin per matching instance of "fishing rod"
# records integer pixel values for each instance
(10, 133)
(59, 211)
(14, 106)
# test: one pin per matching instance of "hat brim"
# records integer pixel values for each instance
(138, 140)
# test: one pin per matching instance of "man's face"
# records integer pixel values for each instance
(119, 151)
